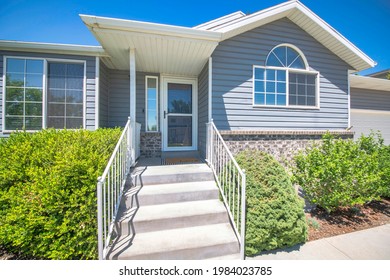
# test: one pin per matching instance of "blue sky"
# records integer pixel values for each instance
(366, 23)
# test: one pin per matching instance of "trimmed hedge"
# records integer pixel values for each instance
(343, 173)
(275, 216)
(48, 191)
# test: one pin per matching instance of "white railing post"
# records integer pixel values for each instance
(211, 143)
(100, 217)
(129, 138)
(243, 215)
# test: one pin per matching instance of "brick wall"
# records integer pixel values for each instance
(283, 145)
(151, 144)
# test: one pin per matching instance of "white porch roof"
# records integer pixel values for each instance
(158, 48)
(180, 50)
(364, 82)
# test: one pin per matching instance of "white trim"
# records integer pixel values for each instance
(94, 22)
(364, 111)
(164, 133)
(220, 21)
(97, 92)
(349, 99)
(132, 80)
(52, 48)
(210, 92)
(295, 49)
(45, 87)
(146, 102)
(287, 106)
(3, 96)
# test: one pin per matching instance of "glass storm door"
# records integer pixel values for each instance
(179, 115)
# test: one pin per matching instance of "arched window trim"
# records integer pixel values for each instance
(292, 47)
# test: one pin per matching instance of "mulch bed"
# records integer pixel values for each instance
(347, 220)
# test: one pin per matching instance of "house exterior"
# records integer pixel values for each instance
(271, 80)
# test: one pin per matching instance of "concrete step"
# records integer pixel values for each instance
(166, 174)
(174, 215)
(200, 242)
(171, 193)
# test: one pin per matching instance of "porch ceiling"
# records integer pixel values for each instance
(158, 48)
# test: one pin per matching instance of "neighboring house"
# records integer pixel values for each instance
(370, 106)
(384, 74)
(272, 80)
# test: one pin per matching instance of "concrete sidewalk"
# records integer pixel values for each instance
(369, 244)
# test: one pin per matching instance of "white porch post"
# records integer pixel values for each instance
(132, 100)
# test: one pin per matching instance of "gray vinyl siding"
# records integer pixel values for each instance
(104, 86)
(119, 98)
(233, 62)
(368, 99)
(203, 105)
(90, 80)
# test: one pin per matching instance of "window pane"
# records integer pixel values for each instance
(179, 98)
(74, 123)
(301, 100)
(15, 80)
(270, 75)
(270, 87)
(74, 110)
(259, 73)
(75, 70)
(281, 99)
(281, 75)
(311, 91)
(273, 61)
(13, 123)
(34, 80)
(259, 86)
(281, 87)
(311, 101)
(33, 123)
(152, 94)
(311, 79)
(301, 89)
(280, 53)
(15, 65)
(292, 77)
(152, 120)
(292, 89)
(56, 122)
(179, 131)
(33, 109)
(57, 69)
(270, 99)
(298, 64)
(34, 66)
(74, 83)
(259, 98)
(14, 94)
(292, 99)
(301, 78)
(152, 83)
(56, 95)
(33, 94)
(14, 108)
(74, 96)
(56, 82)
(56, 109)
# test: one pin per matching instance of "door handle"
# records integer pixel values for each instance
(165, 114)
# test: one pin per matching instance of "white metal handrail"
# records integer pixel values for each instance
(112, 182)
(231, 181)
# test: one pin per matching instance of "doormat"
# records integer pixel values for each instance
(175, 161)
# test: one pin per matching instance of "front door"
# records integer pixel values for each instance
(179, 114)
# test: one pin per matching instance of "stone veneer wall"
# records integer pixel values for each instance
(151, 144)
(283, 145)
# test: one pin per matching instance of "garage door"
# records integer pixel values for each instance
(363, 121)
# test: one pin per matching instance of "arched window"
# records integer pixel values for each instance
(285, 80)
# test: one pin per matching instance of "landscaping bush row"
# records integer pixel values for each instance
(48, 191)
(337, 172)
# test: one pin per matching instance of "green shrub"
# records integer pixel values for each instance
(48, 191)
(384, 165)
(340, 172)
(275, 216)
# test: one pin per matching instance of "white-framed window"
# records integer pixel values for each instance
(43, 93)
(151, 103)
(285, 80)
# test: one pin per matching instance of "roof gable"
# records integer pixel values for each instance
(304, 18)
